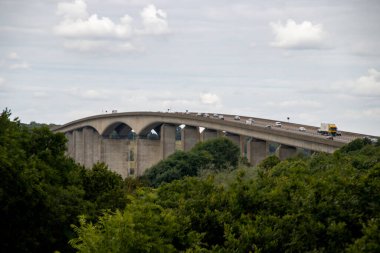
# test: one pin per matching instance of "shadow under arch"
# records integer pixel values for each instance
(118, 130)
(147, 130)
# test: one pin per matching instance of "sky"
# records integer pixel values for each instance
(311, 61)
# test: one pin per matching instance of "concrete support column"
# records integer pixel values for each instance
(79, 146)
(243, 143)
(115, 155)
(88, 144)
(148, 154)
(190, 137)
(283, 151)
(70, 144)
(208, 134)
(235, 139)
(167, 140)
(256, 151)
(97, 147)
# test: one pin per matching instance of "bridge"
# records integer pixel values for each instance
(131, 142)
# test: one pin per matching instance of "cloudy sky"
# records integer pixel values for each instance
(312, 61)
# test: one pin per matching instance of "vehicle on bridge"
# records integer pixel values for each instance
(250, 121)
(278, 124)
(328, 129)
(237, 117)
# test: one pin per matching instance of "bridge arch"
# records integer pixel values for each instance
(117, 130)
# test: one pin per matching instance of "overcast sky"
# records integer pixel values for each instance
(312, 61)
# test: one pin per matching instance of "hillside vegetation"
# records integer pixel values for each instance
(197, 201)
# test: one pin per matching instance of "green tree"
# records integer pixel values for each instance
(42, 191)
(224, 153)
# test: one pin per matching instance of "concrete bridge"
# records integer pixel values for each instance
(133, 141)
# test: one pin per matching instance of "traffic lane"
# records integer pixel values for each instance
(286, 126)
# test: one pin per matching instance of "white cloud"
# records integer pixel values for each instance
(95, 27)
(13, 56)
(85, 32)
(2, 83)
(209, 98)
(89, 94)
(14, 61)
(298, 104)
(74, 10)
(373, 113)
(40, 94)
(367, 85)
(99, 45)
(19, 65)
(297, 36)
(154, 20)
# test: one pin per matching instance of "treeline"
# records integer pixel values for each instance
(325, 203)
(42, 191)
(197, 201)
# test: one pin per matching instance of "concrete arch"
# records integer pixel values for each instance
(89, 126)
(119, 129)
(152, 125)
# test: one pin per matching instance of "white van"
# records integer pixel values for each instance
(250, 121)
(278, 124)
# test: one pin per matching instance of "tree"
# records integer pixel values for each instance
(224, 153)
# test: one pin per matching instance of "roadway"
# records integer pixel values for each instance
(287, 127)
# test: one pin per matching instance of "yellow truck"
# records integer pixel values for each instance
(328, 129)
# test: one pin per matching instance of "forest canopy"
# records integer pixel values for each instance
(321, 203)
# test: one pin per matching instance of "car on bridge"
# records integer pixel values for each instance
(278, 124)
(302, 129)
(237, 117)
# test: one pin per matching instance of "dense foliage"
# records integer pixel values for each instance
(42, 192)
(215, 154)
(325, 203)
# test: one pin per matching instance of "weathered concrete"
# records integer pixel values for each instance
(189, 136)
(147, 154)
(167, 140)
(88, 145)
(237, 140)
(70, 144)
(208, 134)
(257, 150)
(115, 155)
(284, 151)
(79, 146)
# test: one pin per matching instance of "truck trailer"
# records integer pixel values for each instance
(328, 129)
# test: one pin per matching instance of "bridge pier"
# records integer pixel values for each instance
(284, 151)
(167, 140)
(257, 151)
(189, 137)
(208, 134)
(234, 138)
(88, 144)
(115, 154)
(79, 146)
(148, 154)
(70, 144)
